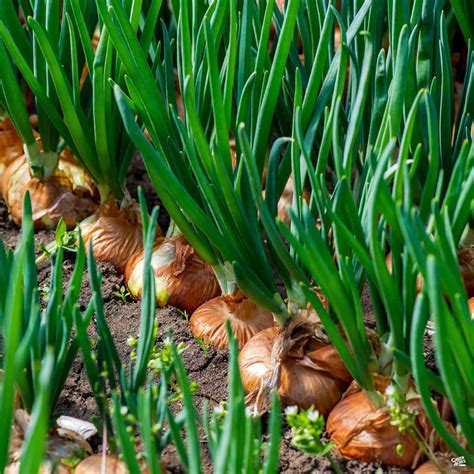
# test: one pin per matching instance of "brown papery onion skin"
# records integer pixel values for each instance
(445, 461)
(286, 201)
(363, 431)
(68, 194)
(208, 322)
(93, 465)
(312, 373)
(471, 307)
(11, 146)
(116, 233)
(182, 278)
(61, 444)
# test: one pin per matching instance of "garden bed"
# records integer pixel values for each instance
(205, 365)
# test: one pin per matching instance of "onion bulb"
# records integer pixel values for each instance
(93, 465)
(446, 464)
(60, 445)
(471, 307)
(363, 431)
(182, 278)
(208, 322)
(68, 194)
(11, 146)
(286, 200)
(299, 363)
(116, 233)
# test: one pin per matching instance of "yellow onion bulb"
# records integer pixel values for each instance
(93, 465)
(312, 373)
(182, 278)
(69, 193)
(11, 146)
(446, 463)
(286, 200)
(363, 431)
(116, 233)
(61, 444)
(246, 319)
(471, 307)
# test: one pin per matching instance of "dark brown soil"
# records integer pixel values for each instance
(207, 368)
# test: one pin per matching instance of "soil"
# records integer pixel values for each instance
(207, 368)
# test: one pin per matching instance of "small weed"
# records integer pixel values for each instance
(122, 294)
(45, 293)
(203, 345)
(307, 428)
(67, 239)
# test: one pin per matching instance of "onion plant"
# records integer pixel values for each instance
(44, 160)
(444, 301)
(394, 295)
(191, 166)
(219, 206)
(51, 325)
(57, 72)
(37, 340)
(137, 407)
(169, 164)
(86, 114)
(370, 244)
